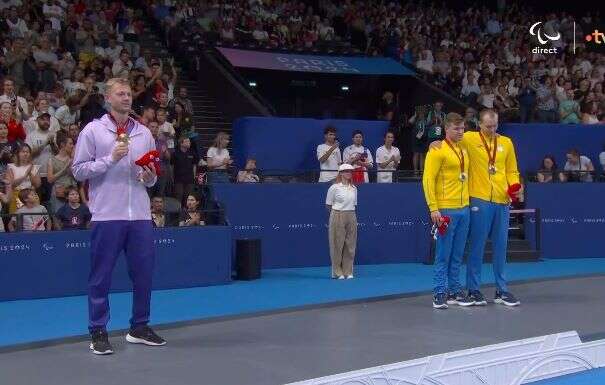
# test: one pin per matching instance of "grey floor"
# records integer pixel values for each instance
(286, 347)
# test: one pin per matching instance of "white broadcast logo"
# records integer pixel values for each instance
(540, 33)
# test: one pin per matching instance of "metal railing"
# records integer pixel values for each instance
(397, 176)
(48, 221)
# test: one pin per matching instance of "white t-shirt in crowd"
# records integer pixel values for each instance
(332, 163)
(37, 139)
(342, 197)
(583, 165)
(19, 172)
(216, 156)
(168, 129)
(382, 155)
(65, 116)
(31, 124)
(350, 151)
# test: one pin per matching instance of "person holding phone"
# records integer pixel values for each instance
(329, 156)
(341, 202)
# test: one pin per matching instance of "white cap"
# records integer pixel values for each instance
(345, 167)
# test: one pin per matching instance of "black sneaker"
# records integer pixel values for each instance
(144, 335)
(451, 299)
(99, 343)
(477, 298)
(461, 299)
(440, 301)
(505, 298)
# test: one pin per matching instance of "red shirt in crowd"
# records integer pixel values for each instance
(15, 131)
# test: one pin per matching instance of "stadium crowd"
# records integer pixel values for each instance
(55, 60)
(475, 54)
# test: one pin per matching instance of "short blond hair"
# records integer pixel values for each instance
(113, 82)
(452, 119)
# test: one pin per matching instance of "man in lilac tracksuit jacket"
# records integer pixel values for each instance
(121, 216)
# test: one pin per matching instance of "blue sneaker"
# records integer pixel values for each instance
(477, 298)
(506, 298)
(440, 301)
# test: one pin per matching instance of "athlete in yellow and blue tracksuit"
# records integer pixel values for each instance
(492, 169)
(445, 184)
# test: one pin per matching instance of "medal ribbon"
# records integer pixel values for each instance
(491, 154)
(120, 129)
(459, 156)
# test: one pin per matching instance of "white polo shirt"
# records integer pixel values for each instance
(332, 163)
(342, 197)
(382, 155)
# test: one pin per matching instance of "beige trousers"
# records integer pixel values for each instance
(343, 240)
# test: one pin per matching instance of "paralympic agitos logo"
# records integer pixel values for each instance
(543, 38)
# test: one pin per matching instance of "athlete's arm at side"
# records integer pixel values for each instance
(432, 164)
(512, 172)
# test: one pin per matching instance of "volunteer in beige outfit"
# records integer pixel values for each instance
(341, 202)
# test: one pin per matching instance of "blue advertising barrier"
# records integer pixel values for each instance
(573, 218)
(534, 141)
(291, 220)
(298, 139)
(314, 63)
(54, 264)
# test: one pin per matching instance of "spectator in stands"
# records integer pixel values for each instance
(17, 102)
(329, 156)
(165, 128)
(59, 166)
(527, 100)
(121, 67)
(7, 149)
(73, 215)
(24, 174)
(589, 114)
(470, 90)
(41, 106)
(148, 116)
(73, 131)
(471, 123)
(546, 103)
(435, 119)
(161, 145)
(359, 157)
(386, 110)
(158, 215)
(218, 159)
(248, 174)
(34, 216)
(420, 139)
(70, 112)
(387, 159)
(184, 100)
(184, 162)
(6, 195)
(15, 128)
(192, 214)
(578, 168)
(548, 170)
(569, 109)
(182, 121)
(42, 144)
(14, 60)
